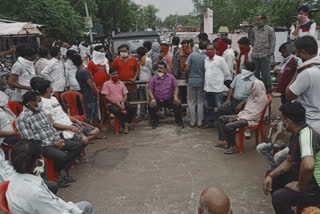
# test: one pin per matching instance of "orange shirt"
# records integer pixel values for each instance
(126, 68)
(99, 73)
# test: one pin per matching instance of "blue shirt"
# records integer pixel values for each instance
(197, 69)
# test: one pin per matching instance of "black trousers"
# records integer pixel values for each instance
(64, 157)
(52, 186)
(228, 109)
(124, 117)
(167, 104)
(284, 198)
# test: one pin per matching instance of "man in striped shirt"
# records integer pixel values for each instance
(296, 181)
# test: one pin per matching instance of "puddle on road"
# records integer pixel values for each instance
(108, 158)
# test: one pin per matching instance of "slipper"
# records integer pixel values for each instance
(221, 146)
(124, 131)
(101, 136)
(231, 151)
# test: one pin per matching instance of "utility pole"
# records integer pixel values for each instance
(89, 21)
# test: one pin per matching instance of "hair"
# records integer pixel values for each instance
(250, 66)
(25, 154)
(147, 45)
(98, 47)
(203, 36)
(262, 16)
(29, 52)
(42, 86)
(20, 50)
(112, 70)
(308, 44)
(54, 51)
(175, 40)
(229, 41)
(303, 8)
(70, 53)
(34, 82)
(162, 63)
(203, 44)
(43, 52)
(29, 96)
(244, 41)
(294, 111)
(76, 60)
(141, 51)
(185, 42)
(284, 46)
(123, 46)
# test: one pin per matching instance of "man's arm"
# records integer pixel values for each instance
(306, 172)
(7, 52)
(284, 167)
(45, 73)
(7, 133)
(93, 87)
(230, 93)
(312, 30)
(12, 82)
(187, 69)
(294, 31)
(225, 68)
(299, 84)
(272, 39)
(24, 129)
(112, 101)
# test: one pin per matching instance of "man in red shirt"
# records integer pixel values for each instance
(128, 69)
(99, 68)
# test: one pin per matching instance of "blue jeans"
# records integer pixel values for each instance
(91, 106)
(213, 99)
(142, 97)
(266, 151)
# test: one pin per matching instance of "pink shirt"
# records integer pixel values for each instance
(116, 91)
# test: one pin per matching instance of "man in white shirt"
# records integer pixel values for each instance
(216, 70)
(36, 198)
(54, 71)
(305, 86)
(22, 72)
(229, 57)
(42, 62)
(304, 26)
(70, 72)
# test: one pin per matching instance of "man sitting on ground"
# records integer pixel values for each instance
(116, 94)
(72, 129)
(214, 201)
(27, 193)
(33, 124)
(296, 181)
(163, 92)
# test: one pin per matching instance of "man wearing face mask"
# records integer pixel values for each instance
(304, 26)
(163, 92)
(33, 124)
(116, 94)
(305, 86)
(37, 198)
(263, 40)
(245, 54)
(128, 69)
(216, 69)
(22, 72)
(296, 180)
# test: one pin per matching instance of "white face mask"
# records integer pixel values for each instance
(160, 74)
(39, 106)
(124, 54)
(39, 169)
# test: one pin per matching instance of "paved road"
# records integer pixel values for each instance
(163, 171)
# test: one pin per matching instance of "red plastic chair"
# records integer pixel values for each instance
(15, 107)
(259, 127)
(72, 100)
(116, 122)
(3, 198)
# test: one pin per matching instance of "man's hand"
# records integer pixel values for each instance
(59, 144)
(267, 185)
(153, 103)
(133, 79)
(238, 108)
(122, 106)
(176, 101)
(75, 129)
(234, 118)
(227, 102)
(294, 185)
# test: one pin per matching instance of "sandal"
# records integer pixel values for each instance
(231, 151)
(124, 130)
(101, 136)
(221, 146)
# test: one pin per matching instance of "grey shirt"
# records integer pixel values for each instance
(307, 88)
(263, 41)
(197, 69)
(241, 85)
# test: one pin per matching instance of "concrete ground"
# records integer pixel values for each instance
(163, 171)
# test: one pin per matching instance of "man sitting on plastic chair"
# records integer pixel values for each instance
(251, 114)
(116, 94)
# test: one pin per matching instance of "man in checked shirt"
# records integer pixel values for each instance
(33, 124)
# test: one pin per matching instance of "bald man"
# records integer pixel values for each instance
(214, 201)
